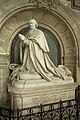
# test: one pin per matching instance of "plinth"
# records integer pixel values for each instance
(33, 92)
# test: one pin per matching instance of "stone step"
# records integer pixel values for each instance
(24, 76)
(31, 81)
(34, 76)
(29, 85)
(40, 82)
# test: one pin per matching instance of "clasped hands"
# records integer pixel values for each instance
(24, 39)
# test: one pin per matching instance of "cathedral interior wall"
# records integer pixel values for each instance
(61, 20)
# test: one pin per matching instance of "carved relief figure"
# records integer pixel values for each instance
(34, 56)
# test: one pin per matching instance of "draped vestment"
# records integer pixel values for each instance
(37, 59)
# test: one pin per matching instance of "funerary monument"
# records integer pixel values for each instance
(33, 82)
(39, 51)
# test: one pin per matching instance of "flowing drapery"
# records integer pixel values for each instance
(37, 59)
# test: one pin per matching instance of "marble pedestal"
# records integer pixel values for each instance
(45, 92)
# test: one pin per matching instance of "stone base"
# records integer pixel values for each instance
(26, 97)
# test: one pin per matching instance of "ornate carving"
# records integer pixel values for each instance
(47, 4)
(75, 4)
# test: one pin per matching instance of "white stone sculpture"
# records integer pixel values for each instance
(35, 59)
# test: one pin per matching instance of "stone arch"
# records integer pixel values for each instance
(51, 21)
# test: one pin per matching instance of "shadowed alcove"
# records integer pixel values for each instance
(54, 54)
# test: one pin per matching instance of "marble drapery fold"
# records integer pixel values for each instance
(36, 57)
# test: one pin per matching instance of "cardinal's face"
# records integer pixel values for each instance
(31, 24)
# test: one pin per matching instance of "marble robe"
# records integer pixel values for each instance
(37, 59)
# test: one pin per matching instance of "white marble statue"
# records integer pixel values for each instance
(35, 57)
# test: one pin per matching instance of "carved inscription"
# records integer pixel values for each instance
(50, 98)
